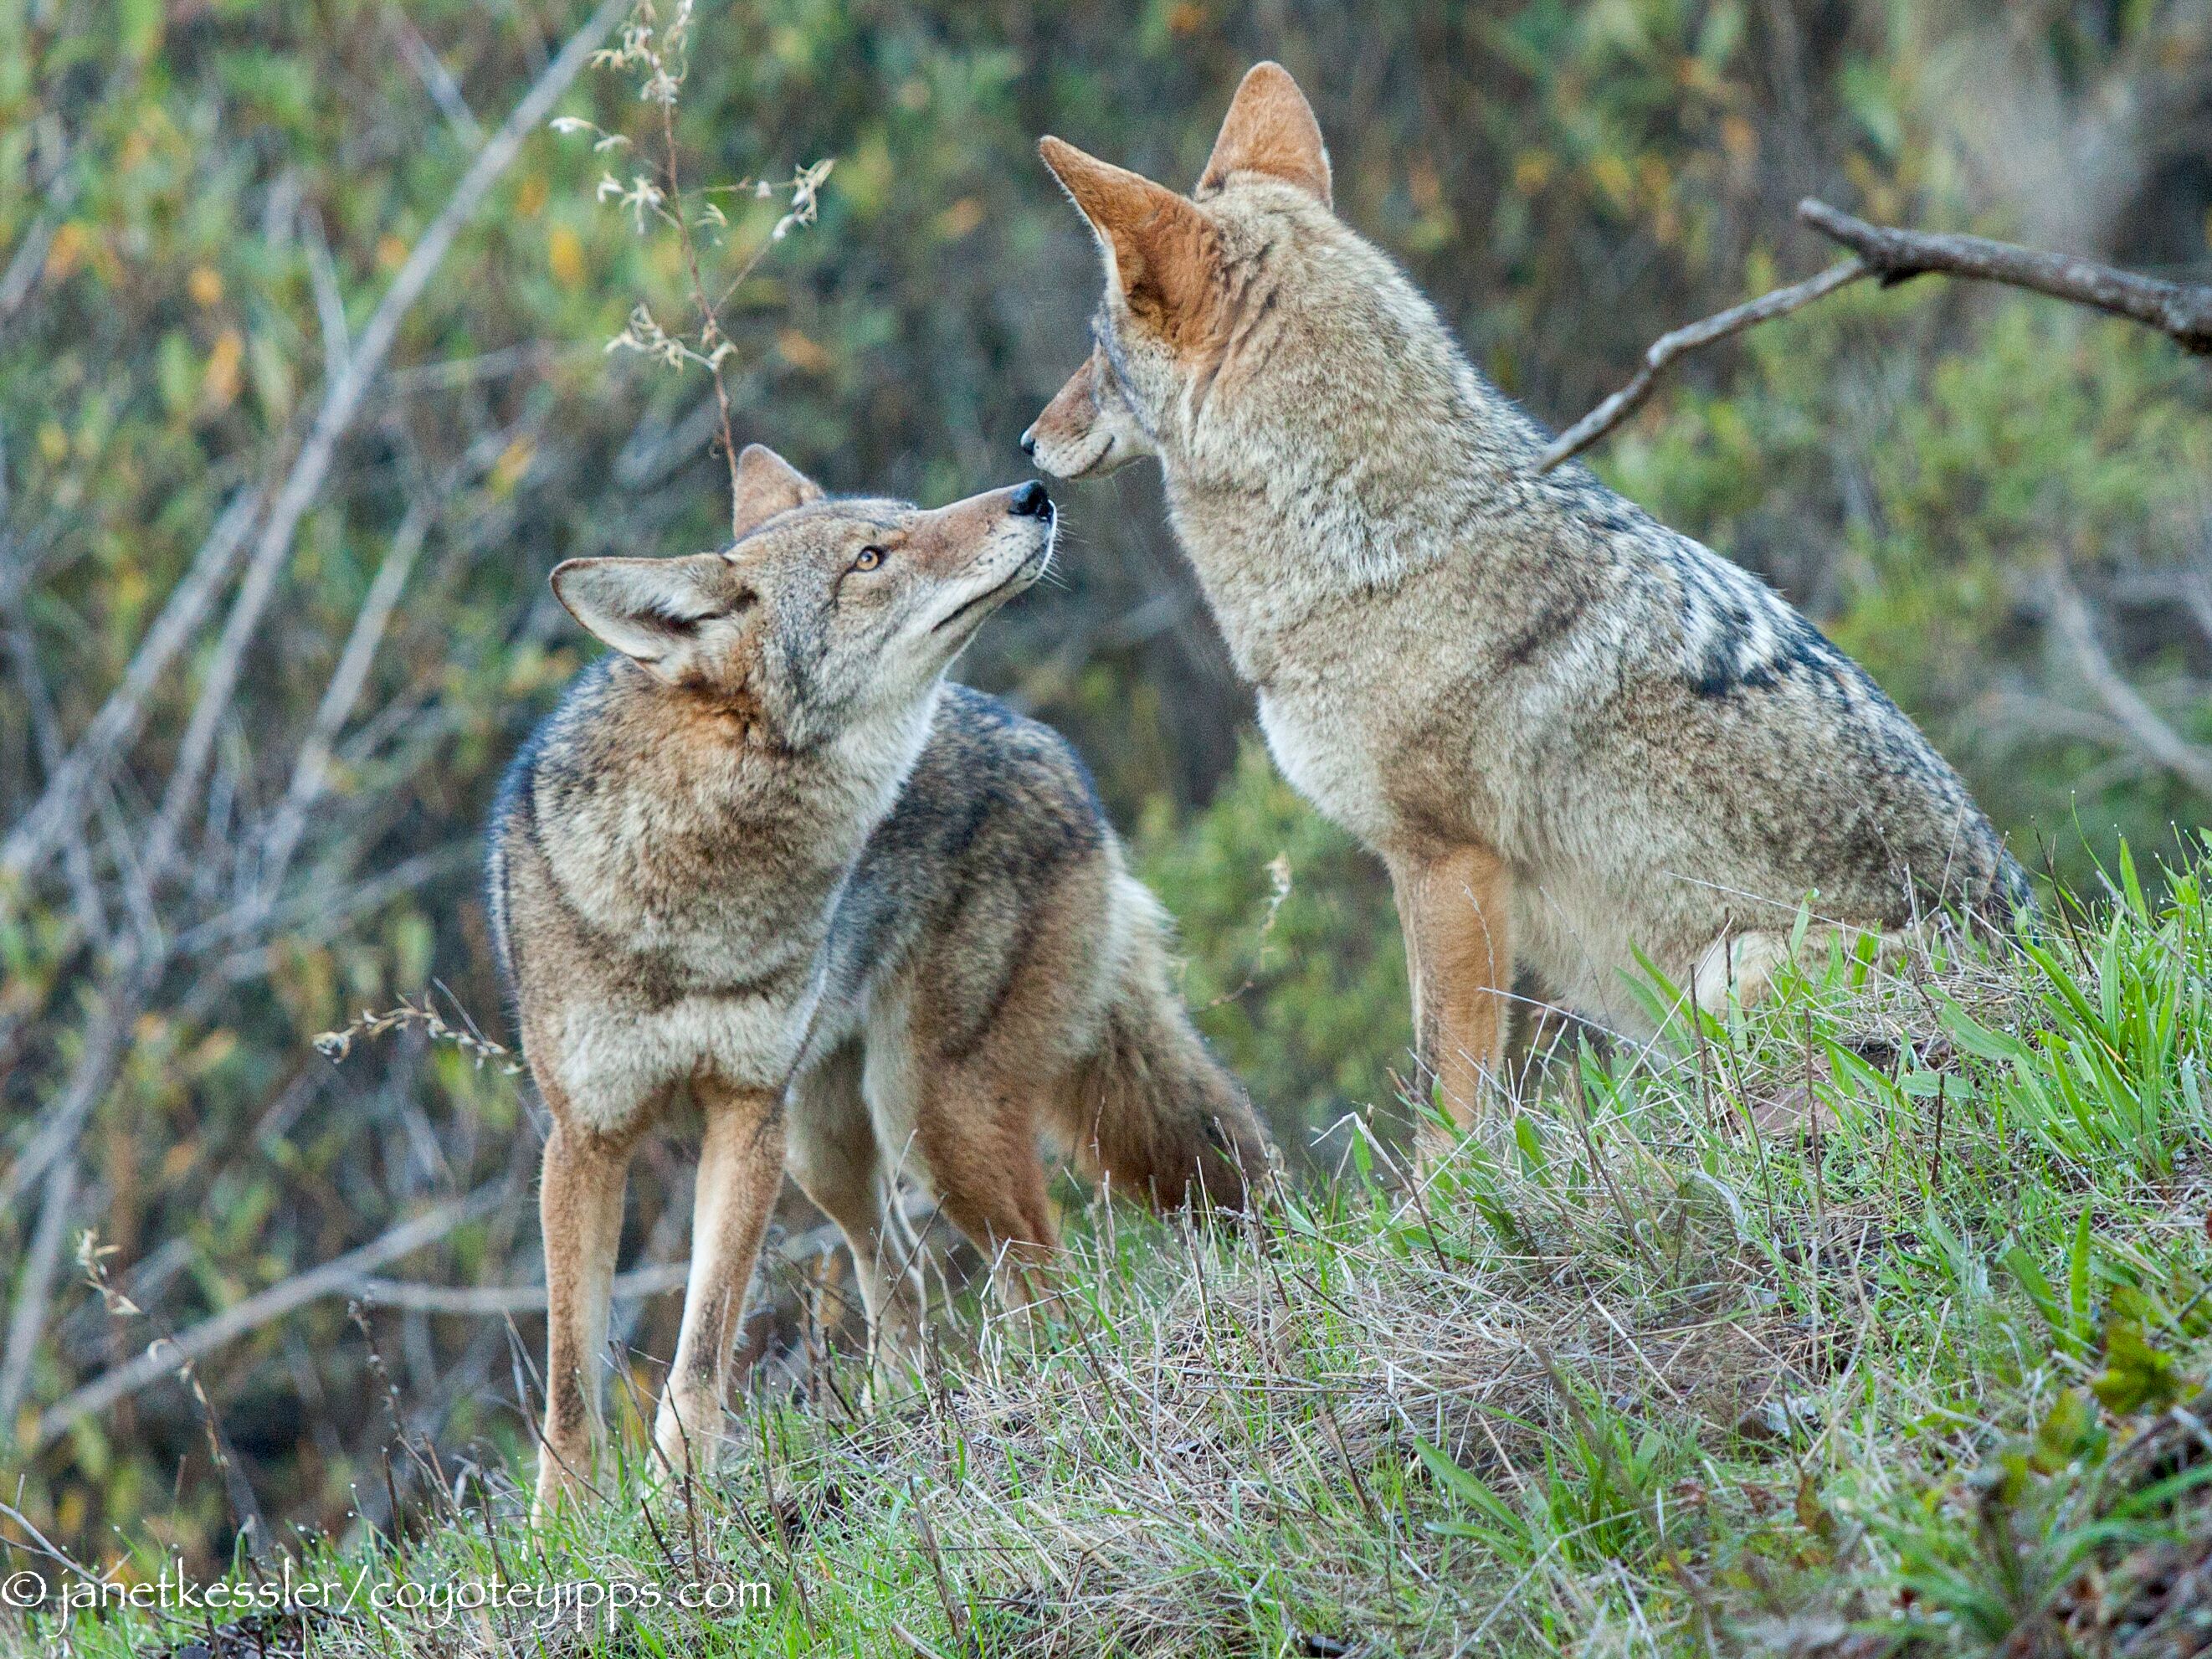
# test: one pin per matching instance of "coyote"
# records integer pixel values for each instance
(763, 852)
(1575, 737)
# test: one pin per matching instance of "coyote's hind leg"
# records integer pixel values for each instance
(834, 1159)
(976, 1130)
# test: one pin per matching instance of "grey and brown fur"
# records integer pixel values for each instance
(686, 900)
(994, 974)
(1573, 734)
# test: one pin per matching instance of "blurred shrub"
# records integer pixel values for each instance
(1303, 996)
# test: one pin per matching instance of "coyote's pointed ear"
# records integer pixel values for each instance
(651, 610)
(1161, 248)
(1270, 128)
(767, 485)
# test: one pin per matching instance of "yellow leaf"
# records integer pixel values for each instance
(219, 384)
(1740, 140)
(1614, 178)
(67, 250)
(962, 216)
(205, 286)
(513, 462)
(564, 253)
(391, 253)
(211, 1052)
(802, 353)
(127, 589)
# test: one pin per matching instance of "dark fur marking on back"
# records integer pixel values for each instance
(1556, 620)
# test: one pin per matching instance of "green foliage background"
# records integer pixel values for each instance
(1568, 177)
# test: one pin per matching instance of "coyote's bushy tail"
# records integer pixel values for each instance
(1155, 1114)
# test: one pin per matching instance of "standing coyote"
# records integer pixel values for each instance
(763, 848)
(1575, 736)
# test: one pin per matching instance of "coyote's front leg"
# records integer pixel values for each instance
(1456, 911)
(580, 1206)
(740, 1166)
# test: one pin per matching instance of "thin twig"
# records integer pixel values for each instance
(711, 338)
(2068, 614)
(497, 1300)
(437, 80)
(1688, 338)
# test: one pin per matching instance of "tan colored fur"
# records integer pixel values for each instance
(1454, 910)
(1579, 739)
(1086, 431)
(1270, 129)
(766, 859)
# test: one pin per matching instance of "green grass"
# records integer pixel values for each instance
(1908, 1371)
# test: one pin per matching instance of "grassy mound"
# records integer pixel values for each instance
(1867, 1323)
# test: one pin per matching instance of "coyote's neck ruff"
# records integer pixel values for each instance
(1578, 738)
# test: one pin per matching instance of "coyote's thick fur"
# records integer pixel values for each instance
(1575, 737)
(763, 854)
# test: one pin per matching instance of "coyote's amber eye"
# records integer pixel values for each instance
(870, 558)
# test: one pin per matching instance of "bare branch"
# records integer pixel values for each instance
(165, 1356)
(1668, 347)
(52, 750)
(310, 770)
(2146, 730)
(341, 403)
(437, 80)
(2181, 311)
(113, 728)
(497, 1300)
(34, 1286)
(21, 275)
(329, 301)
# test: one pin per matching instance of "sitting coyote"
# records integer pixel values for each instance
(1576, 738)
(762, 851)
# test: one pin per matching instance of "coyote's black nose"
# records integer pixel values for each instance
(1030, 501)
(1029, 442)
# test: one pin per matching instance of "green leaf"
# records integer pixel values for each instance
(2069, 1431)
(2136, 1377)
